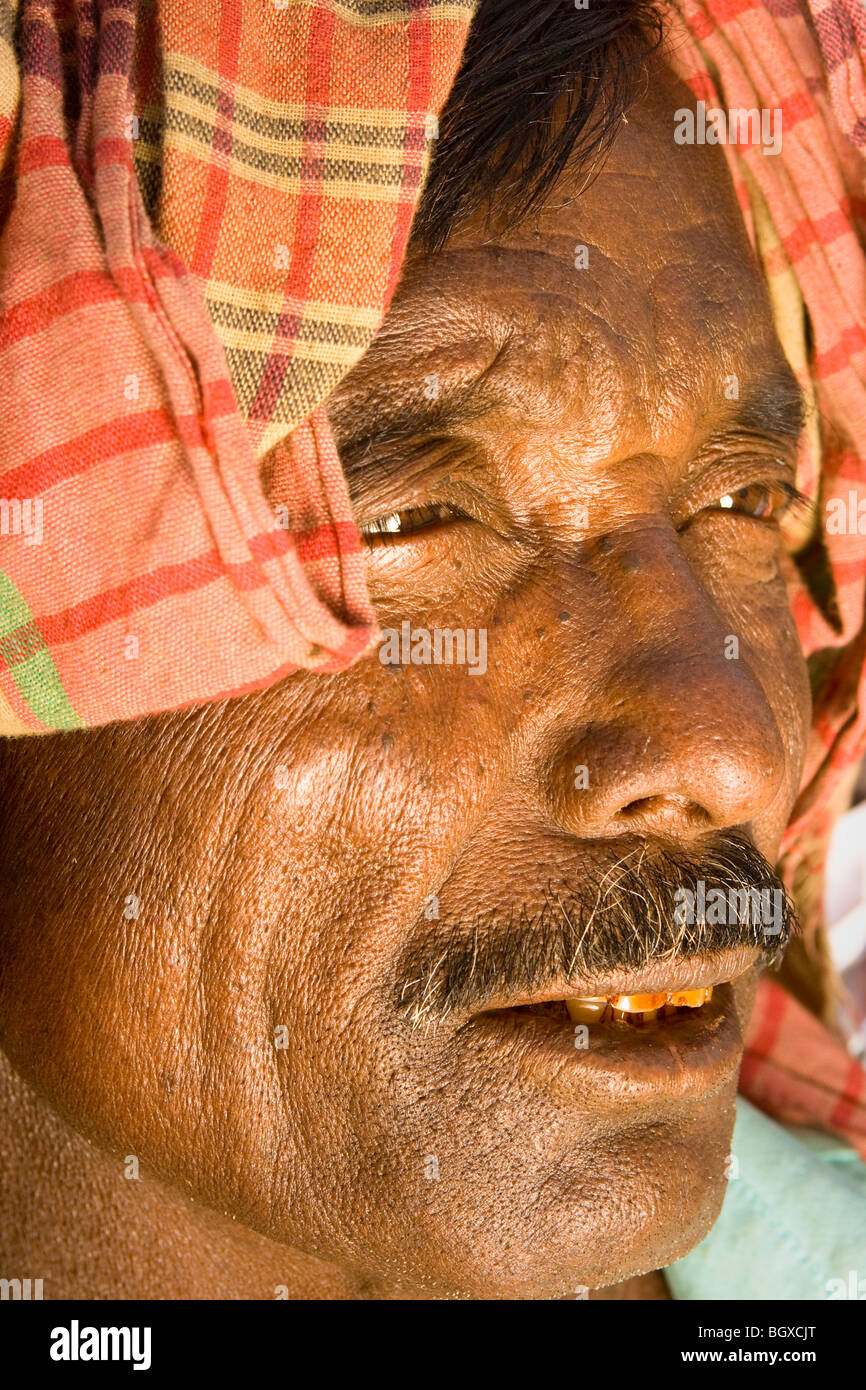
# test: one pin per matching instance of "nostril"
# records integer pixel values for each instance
(644, 805)
(664, 807)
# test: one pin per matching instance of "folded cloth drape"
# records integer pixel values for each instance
(141, 566)
(203, 214)
(792, 1226)
(795, 1071)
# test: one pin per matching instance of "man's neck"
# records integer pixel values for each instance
(71, 1217)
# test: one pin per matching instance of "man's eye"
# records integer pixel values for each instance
(395, 525)
(764, 501)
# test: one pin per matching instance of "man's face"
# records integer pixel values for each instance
(270, 1031)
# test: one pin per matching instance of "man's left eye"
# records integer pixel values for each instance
(764, 501)
(390, 528)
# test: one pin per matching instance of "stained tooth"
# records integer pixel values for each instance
(636, 1017)
(637, 1003)
(690, 998)
(586, 1010)
(634, 1008)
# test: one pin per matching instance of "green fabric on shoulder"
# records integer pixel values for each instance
(793, 1223)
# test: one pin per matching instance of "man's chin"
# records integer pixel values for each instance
(548, 1274)
(672, 1245)
(540, 1276)
(648, 1198)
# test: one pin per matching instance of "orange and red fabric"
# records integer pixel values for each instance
(148, 362)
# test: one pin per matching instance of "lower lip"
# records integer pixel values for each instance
(689, 1054)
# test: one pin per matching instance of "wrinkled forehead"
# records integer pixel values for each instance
(637, 291)
(651, 208)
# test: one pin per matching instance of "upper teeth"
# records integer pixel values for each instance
(592, 1008)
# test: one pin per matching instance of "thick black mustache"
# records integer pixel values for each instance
(653, 904)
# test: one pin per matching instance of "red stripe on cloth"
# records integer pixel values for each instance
(80, 290)
(77, 291)
(218, 398)
(113, 151)
(852, 1096)
(325, 542)
(836, 358)
(701, 26)
(118, 436)
(141, 592)
(816, 231)
(306, 232)
(42, 152)
(798, 1072)
(770, 1009)
(213, 208)
(723, 11)
(795, 109)
(147, 55)
(418, 100)
(339, 538)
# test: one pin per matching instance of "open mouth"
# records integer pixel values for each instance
(636, 1010)
(672, 1030)
(637, 998)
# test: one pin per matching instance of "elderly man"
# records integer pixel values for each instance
(430, 977)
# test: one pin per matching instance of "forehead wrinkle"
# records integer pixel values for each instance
(514, 356)
(694, 277)
(618, 302)
(541, 354)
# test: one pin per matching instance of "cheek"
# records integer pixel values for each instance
(382, 772)
(745, 569)
(777, 659)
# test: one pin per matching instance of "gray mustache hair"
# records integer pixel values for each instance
(627, 917)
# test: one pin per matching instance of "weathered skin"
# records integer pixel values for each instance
(263, 905)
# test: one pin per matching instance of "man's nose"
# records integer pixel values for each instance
(676, 736)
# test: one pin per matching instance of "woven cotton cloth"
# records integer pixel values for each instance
(795, 1071)
(142, 362)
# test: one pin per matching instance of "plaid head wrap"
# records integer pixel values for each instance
(150, 357)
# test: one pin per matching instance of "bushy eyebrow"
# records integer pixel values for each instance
(411, 420)
(380, 435)
(412, 434)
(774, 406)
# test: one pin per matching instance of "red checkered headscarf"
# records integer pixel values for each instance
(205, 212)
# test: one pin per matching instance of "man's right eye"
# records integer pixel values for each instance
(393, 527)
